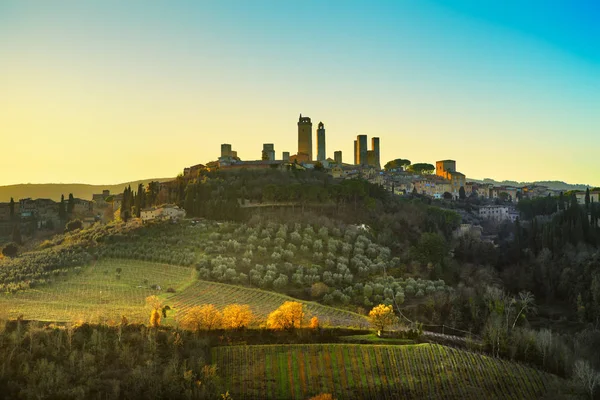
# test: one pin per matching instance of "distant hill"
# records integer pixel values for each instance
(556, 185)
(54, 190)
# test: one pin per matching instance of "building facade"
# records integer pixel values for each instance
(494, 213)
(447, 170)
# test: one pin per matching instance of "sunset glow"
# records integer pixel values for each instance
(112, 91)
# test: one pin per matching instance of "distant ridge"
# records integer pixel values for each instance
(54, 190)
(556, 185)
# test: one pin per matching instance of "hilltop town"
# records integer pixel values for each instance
(442, 181)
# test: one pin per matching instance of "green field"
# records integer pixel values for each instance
(262, 303)
(374, 372)
(96, 293)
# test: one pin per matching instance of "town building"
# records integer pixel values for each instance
(432, 186)
(285, 156)
(494, 213)
(83, 207)
(594, 196)
(100, 199)
(193, 171)
(166, 212)
(447, 170)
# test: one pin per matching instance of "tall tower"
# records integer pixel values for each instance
(268, 151)
(225, 150)
(321, 153)
(375, 149)
(361, 142)
(355, 152)
(305, 137)
(337, 156)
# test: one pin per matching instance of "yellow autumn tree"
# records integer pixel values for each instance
(314, 323)
(237, 316)
(289, 315)
(204, 317)
(155, 319)
(382, 316)
(322, 396)
(154, 302)
(155, 305)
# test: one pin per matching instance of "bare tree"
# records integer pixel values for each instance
(526, 304)
(586, 376)
(543, 343)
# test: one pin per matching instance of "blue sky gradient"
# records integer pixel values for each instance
(509, 89)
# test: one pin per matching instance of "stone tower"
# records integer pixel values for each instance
(321, 153)
(361, 143)
(375, 149)
(305, 137)
(337, 156)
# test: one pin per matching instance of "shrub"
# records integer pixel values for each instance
(10, 250)
(74, 225)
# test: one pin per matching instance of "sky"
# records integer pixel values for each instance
(110, 91)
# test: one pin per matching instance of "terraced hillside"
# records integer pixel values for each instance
(423, 371)
(262, 302)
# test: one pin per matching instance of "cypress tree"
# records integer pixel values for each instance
(16, 235)
(587, 198)
(62, 212)
(12, 209)
(561, 201)
(71, 204)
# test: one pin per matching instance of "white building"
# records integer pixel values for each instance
(162, 213)
(494, 213)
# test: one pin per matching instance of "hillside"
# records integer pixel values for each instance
(97, 292)
(555, 185)
(55, 190)
(424, 371)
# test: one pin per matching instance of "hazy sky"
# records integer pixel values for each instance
(112, 91)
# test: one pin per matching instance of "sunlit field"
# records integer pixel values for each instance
(375, 372)
(260, 301)
(98, 292)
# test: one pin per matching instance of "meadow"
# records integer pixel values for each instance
(347, 371)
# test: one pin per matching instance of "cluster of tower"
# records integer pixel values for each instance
(362, 156)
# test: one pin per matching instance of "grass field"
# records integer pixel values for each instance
(349, 371)
(262, 303)
(96, 293)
